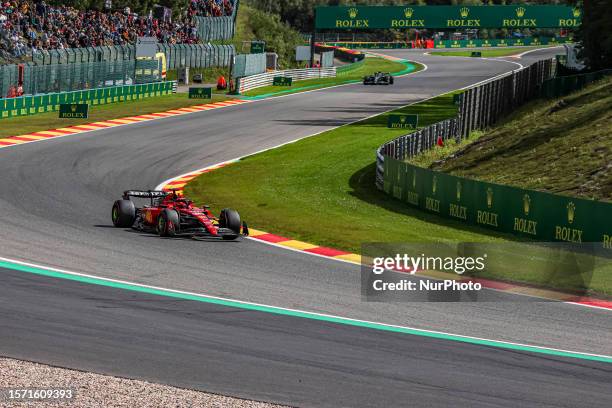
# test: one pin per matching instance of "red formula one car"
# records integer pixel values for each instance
(172, 215)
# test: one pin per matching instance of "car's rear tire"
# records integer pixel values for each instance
(230, 219)
(391, 80)
(168, 223)
(123, 213)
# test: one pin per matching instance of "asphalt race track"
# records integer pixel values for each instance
(55, 211)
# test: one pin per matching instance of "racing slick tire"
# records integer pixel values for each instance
(230, 218)
(168, 223)
(123, 213)
(391, 80)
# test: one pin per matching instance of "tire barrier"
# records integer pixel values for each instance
(527, 213)
(30, 105)
(257, 81)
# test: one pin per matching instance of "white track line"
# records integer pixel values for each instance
(140, 285)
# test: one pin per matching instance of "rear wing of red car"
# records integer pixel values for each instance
(145, 194)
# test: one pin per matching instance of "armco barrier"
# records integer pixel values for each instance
(256, 81)
(30, 105)
(542, 216)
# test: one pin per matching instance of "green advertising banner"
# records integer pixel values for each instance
(282, 81)
(527, 213)
(74, 111)
(403, 121)
(450, 17)
(503, 42)
(200, 93)
(258, 47)
(30, 105)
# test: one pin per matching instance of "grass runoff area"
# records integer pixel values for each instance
(496, 52)
(50, 120)
(321, 190)
(561, 146)
(369, 66)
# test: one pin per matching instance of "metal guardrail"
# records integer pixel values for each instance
(480, 107)
(256, 81)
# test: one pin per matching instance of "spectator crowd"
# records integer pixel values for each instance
(27, 26)
(211, 8)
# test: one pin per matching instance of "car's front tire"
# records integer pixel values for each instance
(168, 223)
(123, 213)
(230, 219)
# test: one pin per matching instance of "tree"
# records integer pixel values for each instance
(595, 34)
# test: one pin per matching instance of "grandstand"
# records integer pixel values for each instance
(28, 27)
(66, 49)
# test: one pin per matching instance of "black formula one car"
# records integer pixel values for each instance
(378, 78)
(172, 215)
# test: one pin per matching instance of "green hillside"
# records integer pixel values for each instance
(560, 146)
(253, 24)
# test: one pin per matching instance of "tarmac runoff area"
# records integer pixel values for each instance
(96, 390)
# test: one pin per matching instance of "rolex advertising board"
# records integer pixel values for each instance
(449, 17)
(530, 214)
(402, 121)
(74, 111)
(200, 93)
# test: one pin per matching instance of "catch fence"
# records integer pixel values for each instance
(479, 107)
(38, 79)
(504, 209)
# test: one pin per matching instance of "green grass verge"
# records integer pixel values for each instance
(321, 190)
(559, 146)
(44, 121)
(497, 52)
(369, 66)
